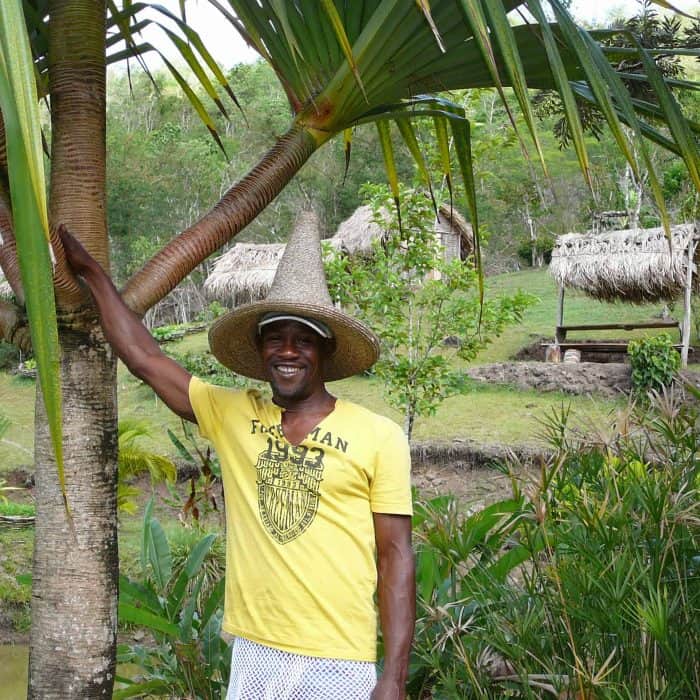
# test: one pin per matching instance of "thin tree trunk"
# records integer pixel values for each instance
(74, 591)
(238, 207)
(75, 574)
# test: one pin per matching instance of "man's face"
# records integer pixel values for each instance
(293, 356)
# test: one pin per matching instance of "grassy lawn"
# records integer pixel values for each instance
(16, 546)
(541, 319)
(482, 413)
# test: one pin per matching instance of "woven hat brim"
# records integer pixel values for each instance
(232, 339)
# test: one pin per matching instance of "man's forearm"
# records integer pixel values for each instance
(396, 592)
(129, 338)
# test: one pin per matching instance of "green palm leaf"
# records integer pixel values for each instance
(18, 102)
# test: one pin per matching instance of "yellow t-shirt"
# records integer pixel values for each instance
(300, 555)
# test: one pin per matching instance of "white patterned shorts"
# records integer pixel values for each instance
(263, 673)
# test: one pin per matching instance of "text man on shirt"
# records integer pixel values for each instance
(316, 487)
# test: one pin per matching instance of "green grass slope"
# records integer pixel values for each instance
(482, 413)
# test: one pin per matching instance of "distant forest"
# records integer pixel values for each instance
(165, 170)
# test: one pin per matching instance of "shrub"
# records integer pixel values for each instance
(165, 333)
(12, 508)
(414, 299)
(9, 355)
(213, 311)
(654, 363)
(188, 659)
(544, 244)
(586, 584)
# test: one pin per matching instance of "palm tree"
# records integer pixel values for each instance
(341, 64)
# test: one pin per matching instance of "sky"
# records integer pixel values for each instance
(229, 49)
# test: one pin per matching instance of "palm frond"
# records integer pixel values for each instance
(20, 112)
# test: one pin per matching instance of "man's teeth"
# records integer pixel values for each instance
(289, 371)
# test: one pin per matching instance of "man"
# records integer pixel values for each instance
(315, 486)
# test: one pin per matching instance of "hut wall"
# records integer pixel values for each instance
(450, 245)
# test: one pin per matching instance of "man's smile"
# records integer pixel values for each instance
(287, 370)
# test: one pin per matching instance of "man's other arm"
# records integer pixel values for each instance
(396, 592)
(129, 338)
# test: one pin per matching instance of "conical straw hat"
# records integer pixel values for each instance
(299, 288)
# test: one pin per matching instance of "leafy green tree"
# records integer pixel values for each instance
(341, 65)
(425, 310)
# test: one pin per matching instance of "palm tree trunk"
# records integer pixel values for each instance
(237, 208)
(74, 593)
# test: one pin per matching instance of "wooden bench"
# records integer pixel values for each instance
(609, 346)
(561, 331)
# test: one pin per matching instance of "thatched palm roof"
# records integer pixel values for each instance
(634, 265)
(245, 272)
(356, 234)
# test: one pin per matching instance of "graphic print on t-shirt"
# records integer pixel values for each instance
(288, 479)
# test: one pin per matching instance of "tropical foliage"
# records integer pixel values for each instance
(654, 363)
(341, 65)
(417, 301)
(182, 609)
(584, 584)
(135, 460)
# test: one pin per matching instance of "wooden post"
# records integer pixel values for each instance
(560, 313)
(685, 342)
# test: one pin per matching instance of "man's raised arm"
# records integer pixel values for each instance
(129, 338)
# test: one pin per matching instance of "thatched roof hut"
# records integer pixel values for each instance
(245, 272)
(356, 234)
(634, 265)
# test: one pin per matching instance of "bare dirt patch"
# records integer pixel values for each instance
(612, 379)
(470, 471)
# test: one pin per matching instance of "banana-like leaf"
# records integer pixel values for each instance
(474, 14)
(390, 163)
(677, 124)
(409, 137)
(343, 40)
(565, 91)
(443, 142)
(140, 616)
(514, 66)
(462, 141)
(623, 104)
(19, 105)
(424, 6)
